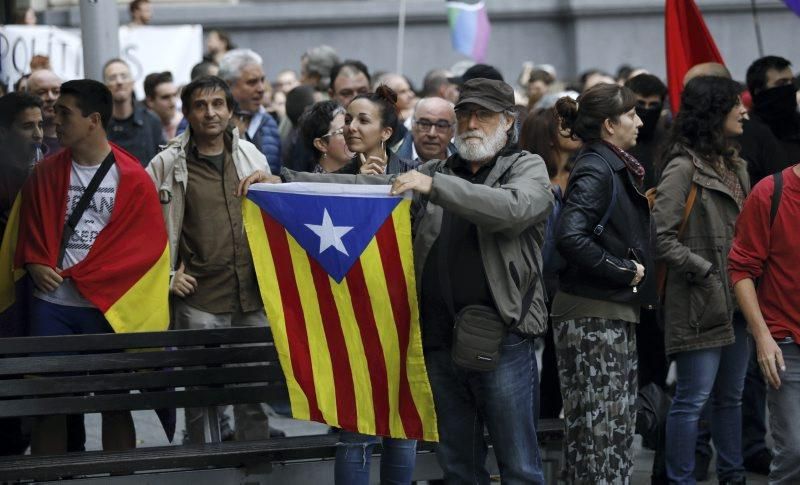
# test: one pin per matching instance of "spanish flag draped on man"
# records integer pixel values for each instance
(336, 273)
(126, 272)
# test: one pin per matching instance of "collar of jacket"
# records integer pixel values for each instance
(181, 143)
(601, 149)
(707, 177)
(259, 117)
(138, 113)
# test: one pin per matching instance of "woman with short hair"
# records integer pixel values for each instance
(322, 133)
(698, 199)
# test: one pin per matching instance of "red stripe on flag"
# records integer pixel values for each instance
(362, 307)
(398, 294)
(296, 331)
(342, 373)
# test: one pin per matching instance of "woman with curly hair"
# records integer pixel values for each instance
(701, 192)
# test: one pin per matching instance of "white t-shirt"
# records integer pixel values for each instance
(93, 220)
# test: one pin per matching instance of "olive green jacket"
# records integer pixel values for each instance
(697, 309)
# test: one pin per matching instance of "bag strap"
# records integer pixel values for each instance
(777, 191)
(442, 267)
(83, 203)
(600, 227)
(687, 209)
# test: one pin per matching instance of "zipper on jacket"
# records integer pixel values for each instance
(620, 267)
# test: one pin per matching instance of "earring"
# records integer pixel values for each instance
(324, 156)
(382, 145)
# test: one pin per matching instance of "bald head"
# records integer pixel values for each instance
(707, 69)
(433, 126)
(45, 85)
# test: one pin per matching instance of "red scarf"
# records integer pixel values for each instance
(634, 167)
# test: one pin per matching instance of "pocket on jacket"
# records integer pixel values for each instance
(707, 305)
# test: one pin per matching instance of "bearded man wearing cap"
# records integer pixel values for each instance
(479, 220)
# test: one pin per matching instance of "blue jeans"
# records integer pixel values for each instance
(784, 416)
(503, 400)
(718, 373)
(52, 319)
(354, 453)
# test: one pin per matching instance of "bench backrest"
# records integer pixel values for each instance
(180, 368)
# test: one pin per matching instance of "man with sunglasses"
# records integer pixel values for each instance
(432, 127)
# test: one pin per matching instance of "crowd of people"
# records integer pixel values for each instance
(602, 237)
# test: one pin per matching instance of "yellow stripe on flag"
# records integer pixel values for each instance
(415, 362)
(271, 296)
(151, 292)
(324, 383)
(387, 331)
(9, 275)
(357, 356)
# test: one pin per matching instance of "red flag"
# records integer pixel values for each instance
(126, 273)
(688, 43)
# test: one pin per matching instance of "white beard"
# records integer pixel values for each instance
(483, 150)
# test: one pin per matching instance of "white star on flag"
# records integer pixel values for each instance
(330, 235)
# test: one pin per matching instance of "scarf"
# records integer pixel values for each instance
(634, 167)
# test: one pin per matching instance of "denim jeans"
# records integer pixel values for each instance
(784, 416)
(502, 400)
(354, 454)
(716, 372)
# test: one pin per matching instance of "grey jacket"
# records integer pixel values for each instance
(698, 310)
(509, 210)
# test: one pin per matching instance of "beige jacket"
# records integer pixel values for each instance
(169, 173)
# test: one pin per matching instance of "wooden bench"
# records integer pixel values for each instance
(187, 368)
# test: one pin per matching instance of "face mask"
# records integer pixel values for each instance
(776, 105)
(650, 117)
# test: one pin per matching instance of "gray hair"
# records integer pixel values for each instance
(434, 79)
(513, 132)
(320, 60)
(233, 62)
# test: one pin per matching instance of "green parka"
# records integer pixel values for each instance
(697, 309)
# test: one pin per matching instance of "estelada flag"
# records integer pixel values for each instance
(335, 269)
(688, 43)
(126, 272)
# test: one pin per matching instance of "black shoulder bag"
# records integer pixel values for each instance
(83, 203)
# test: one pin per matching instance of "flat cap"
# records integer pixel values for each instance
(491, 94)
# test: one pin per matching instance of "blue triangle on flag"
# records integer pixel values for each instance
(334, 230)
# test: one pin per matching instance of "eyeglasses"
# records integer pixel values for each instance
(340, 131)
(442, 126)
(483, 115)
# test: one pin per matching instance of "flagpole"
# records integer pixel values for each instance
(758, 29)
(401, 37)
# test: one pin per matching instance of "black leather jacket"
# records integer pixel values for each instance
(601, 266)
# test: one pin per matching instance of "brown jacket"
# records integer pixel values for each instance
(698, 310)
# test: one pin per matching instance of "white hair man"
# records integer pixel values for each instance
(243, 71)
